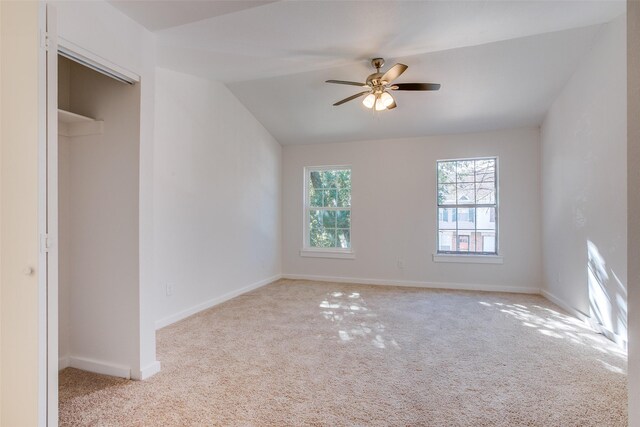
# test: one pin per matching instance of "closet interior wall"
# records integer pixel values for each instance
(98, 224)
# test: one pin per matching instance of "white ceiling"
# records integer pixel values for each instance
(500, 85)
(500, 63)
(157, 15)
(295, 36)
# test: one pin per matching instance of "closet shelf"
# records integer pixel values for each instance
(72, 124)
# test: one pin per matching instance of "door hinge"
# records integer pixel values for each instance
(44, 40)
(45, 243)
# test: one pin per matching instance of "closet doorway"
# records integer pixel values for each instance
(98, 172)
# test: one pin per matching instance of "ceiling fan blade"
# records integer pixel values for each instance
(416, 86)
(394, 72)
(343, 82)
(352, 97)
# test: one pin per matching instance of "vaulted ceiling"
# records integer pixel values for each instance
(500, 63)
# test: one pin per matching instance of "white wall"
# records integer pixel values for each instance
(98, 219)
(103, 30)
(19, 90)
(217, 196)
(584, 185)
(394, 210)
(633, 184)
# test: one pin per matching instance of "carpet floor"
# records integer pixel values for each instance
(299, 353)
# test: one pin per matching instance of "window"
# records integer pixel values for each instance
(467, 206)
(328, 209)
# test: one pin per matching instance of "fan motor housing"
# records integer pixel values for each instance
(374, 80)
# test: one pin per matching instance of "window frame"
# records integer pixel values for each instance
(449, 256)
(312, 251)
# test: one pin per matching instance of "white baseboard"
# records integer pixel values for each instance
(99, 367)
(563, 305)
(416, 284)
(146, 372)
(215, 301)
(63, 362)
(108, 369)
(619, 340)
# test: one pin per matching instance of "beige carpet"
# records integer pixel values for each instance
(308, 353)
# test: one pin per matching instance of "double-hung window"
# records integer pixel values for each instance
(468, 206)
(327, 210)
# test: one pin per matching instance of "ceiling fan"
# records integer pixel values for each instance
(379, 84)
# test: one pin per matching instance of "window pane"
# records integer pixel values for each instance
(315, 197)
(330, 198)
(315, 179)
(343, 239)
(329, 219)
(343, 219)
(466, 218)
(447, 241)
(485, 177)
(485, 170)
(315, 217)
(486, 241)
(343, 178)
(447, 194)
(316, 236)
(330, 179)
(446, 172)
(466, 194)
(486, 193)
(344, 198)
(465, 242)
(465, 171)
(321, 237)
(325, 179)
(447, 218)
(486, 218)
(331, 237)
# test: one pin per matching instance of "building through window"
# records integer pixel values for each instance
(468, 206)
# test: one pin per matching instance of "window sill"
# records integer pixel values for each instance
(314, 253)
(468, 259)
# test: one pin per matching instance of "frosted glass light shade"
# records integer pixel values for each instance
(369, 100)
(386, 99)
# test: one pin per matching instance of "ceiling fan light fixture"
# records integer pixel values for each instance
(378, 84)
(369, 100)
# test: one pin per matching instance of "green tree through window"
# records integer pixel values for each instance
(328, 207)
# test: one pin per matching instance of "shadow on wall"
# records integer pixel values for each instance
(607, 297)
